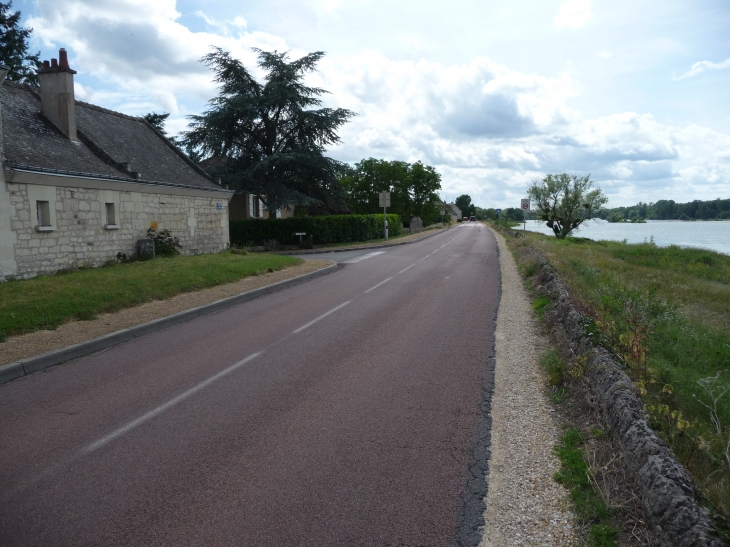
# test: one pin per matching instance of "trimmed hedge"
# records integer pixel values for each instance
(319, 230)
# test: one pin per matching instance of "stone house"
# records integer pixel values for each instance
(80, 185)
(450, 211)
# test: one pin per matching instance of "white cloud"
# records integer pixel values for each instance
(702, 66)
(573, 14)
(488, 128)
(140, 47)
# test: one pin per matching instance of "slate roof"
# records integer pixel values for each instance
(112, 145)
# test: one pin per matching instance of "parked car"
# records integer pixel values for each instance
(465, 219)
(472, 218)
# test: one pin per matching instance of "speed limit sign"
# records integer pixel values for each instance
(525, 205)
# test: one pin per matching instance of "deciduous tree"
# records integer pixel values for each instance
(464, 203)
(412, 188)
(565, 201)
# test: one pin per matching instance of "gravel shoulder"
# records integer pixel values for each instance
(524, 504)
(74, 332)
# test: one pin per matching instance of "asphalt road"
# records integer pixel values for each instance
(349, 410)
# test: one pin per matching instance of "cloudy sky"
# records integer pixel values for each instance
(493, 93)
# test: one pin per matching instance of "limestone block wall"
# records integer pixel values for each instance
(83, 236)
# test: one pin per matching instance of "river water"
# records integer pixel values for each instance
(713, 235)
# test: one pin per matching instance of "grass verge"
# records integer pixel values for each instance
(47, 302)
(665, 314)
(575, 474)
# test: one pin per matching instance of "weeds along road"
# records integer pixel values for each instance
(342, 411)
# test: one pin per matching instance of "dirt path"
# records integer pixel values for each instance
(74, 332)
(525, 506)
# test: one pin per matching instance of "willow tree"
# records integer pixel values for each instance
(269, 137)
(565, 202)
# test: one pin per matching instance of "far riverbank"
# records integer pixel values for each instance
(713, 235)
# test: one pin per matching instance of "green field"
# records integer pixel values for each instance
(665, 313)
(47, 302)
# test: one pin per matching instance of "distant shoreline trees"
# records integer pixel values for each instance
(667, 209)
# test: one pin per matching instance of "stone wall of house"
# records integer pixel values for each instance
(83, 237)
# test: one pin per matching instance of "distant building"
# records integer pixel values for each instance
(81, 184)
(450, 210)
(245, 205)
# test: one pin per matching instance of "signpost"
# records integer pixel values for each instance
(384, 202)
(300, 234)
(525, 205)
(499, 212)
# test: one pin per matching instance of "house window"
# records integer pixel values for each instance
(43, 211)
(254, 207)
(111, 216)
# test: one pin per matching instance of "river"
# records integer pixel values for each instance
(713, 235)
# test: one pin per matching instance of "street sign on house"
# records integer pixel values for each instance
(525, 205)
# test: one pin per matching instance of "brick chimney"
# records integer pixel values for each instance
(57, 94)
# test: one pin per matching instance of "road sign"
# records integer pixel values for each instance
(498, 211)
(525, 205)
(384, 199)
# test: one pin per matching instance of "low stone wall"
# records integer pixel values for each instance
(666, 490)
(81, 237)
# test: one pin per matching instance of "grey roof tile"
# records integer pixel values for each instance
(28, 138)
(112, 144)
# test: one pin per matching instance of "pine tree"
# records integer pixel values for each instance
(271, 135)
(14, 47)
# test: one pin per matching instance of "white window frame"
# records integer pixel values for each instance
(111, 212)
(43, 206)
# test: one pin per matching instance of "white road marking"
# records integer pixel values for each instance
(313, 321)
(408, 268)
(169, 404)
(425, 257)
(363, 257)
(378, 285)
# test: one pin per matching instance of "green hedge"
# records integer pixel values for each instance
(320, 230)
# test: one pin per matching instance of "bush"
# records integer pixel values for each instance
(165, 243)
(319, 229)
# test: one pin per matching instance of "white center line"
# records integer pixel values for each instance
(378, 285)
(425, 257)
(169, 404)
(408, 268)
(313, 321)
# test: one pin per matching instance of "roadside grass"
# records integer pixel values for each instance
(665, 313)
(575, 474)
(48, 301)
